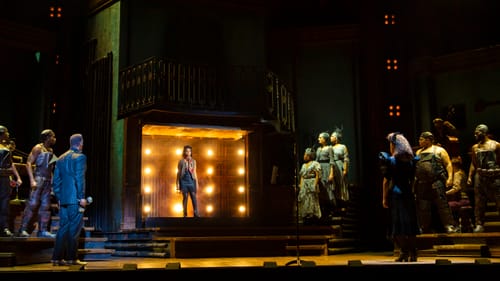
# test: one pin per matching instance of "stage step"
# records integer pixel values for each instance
(319, 249)
(462, 250)
(30, 250)
(7, 259)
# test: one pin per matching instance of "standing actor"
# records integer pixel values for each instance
(485, 170)
(398, 169)
(187, 180)
(339, 169)
(69, 189)
(433, 174)
(7, 170)
(324, 156)
(41, 156)
(308, 199)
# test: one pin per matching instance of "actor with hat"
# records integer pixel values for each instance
(434, 172)
(7, 171)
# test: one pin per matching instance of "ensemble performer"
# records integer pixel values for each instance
(339, 169)
(434, 173)
(484, 173)
(310, 171)
(38, 204)
(7, 172)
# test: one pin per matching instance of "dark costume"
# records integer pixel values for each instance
(459, 201)
(39, 200)
(187, 184)
(324, 156)
(5, 189)
(430, 190)
(340, 184)
(404, 225)
(486, 180)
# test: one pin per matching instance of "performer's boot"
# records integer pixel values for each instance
(43, 230)
(403, 249)
(403, 256)
(412, 245)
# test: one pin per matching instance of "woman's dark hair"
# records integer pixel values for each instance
(186, 147)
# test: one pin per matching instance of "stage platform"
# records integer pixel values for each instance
(366, 265)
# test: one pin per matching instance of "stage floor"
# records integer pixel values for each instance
(346, 259)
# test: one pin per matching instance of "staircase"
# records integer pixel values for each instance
(34, 249)
(347, 238)
(209, 237)
(467, 244)
(136, 243)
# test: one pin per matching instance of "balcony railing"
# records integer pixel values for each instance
(162, 84)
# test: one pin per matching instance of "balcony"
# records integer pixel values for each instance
(159, 84)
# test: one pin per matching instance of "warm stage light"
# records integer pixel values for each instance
(147, 189)
(215, 172)
(242, 209)
(209, 209)
(209, 189)
(241, 189)
(177, 208)
(210, 170)
(394, 110)
(147, 209)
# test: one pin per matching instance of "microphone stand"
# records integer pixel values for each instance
(297, 261)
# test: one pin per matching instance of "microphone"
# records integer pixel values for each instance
(89, 201)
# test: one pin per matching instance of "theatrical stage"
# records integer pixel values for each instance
(373, 265)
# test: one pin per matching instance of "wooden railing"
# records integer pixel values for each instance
(162, 84)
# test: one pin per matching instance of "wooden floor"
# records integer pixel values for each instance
(355, 264)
